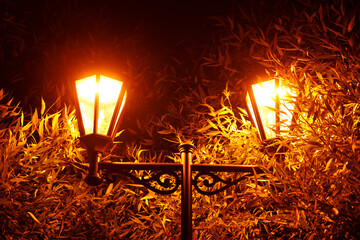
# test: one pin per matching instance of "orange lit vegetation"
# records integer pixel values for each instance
(312, 193)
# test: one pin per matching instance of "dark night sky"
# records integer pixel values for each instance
(159, 26)
(168, 22)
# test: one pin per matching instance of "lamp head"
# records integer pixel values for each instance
(268, 107)
(100, 103)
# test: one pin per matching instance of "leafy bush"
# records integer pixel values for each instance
(312, 190)
(42, 192)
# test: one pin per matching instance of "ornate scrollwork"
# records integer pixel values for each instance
(162, 182)
(210, 180)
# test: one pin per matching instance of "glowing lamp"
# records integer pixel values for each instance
(269, 107)
(100, 101)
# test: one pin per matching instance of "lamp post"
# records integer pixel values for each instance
(269, 108)
(99, 104)
(100, 101)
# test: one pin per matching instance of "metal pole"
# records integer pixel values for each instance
(93, 178)
(186, 151)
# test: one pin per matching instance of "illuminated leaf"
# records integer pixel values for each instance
(35, 118)
(42, 107)
(351, 24)
(33, 217)
(109, 188)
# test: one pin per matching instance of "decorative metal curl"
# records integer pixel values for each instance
(163, 182)
(214, 179)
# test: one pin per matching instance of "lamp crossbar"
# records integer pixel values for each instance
(182, 173)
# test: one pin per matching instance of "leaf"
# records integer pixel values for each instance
(335, 211)
(212, 124)
(213, 133)
(35, 118)
(328, 164)
(297, 215)
(22, 119)
(109, 188)
(150, 195)
(147, 142)
(33, 217)
(42, 106)
(26, 127)
(118, 133)
(41, 128)
(55, 122)
(164, 132)
(320, 76)
(351, 24)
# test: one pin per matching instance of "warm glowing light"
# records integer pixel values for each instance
(98, 102)
(86, 90)
(118, 116)
(109, 90)
(272, 100)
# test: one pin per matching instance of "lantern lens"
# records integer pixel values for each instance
(272, 100)
(86, 91)
(109, 91)
(98, 99)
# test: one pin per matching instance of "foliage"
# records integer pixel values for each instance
(312, 47)
(43, 194)
(311, 191)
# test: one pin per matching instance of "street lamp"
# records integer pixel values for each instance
(99, 104)
(100, 101)
(269, 108)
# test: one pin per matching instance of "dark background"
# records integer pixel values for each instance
(46, 44)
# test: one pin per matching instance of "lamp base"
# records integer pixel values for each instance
(96, 142)
(92, 180)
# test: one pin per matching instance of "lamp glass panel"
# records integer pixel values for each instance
(251, 109)
(265, 94)
(86, 91)
(118, 114)
(109, 91)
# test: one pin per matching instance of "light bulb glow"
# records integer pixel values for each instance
(108, 91)
(86, 91)
(266, 94)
